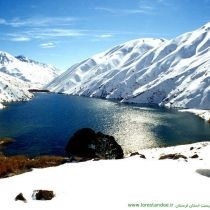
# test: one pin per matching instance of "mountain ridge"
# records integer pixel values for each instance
(171, 73)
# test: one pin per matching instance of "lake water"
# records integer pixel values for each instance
(44, 124)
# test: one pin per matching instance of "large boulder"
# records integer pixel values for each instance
(86, 144)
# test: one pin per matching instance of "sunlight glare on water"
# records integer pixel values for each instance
(133, 129)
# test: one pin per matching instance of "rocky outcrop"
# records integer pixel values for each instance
(85, 144)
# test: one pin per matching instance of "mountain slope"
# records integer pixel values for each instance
(13, 89)
(174, 73)
(19, 74)
(37, 74)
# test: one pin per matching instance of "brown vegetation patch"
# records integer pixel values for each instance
(14, 165)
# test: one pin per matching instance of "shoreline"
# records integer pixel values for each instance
(202, 113)
(188, 153)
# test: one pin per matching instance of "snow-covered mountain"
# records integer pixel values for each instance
(19, 74)
(37, 74)
(13, 89)
(173, 73)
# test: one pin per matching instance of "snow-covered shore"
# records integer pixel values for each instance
(204, 114)
(118, 184)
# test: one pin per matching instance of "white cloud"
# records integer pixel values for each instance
(101, 37)
(144, 7)
(57, 32)
(42, 28)
(125, 11)
(38, 21)
(154, 4)
(104, 36)
(20, 39)
(105, 9)
(48, 45)
(45, 28)
(45, 34)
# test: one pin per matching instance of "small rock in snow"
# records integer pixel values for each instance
(20, 197)
(43, 195)
(194, 156)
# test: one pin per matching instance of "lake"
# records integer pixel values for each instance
(44, 124)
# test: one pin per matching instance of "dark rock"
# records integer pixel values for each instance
(20, 197)
(142, 156)
(191, 148)
(106, 147)
(134, 153)
(172, 156)
(86, 144)
(194, 156)
(43, 195)
(79, 143)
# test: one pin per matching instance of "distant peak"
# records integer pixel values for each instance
(5, 57)
(28, 60)
(206, 26)
(23, 58)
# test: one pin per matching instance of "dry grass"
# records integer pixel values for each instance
(14, 165)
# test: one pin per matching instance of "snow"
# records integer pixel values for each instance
(204, 114)
(19, 74)
(113, 184)
(171, 73)
(13, 89)
(1, 106)
(37, 74)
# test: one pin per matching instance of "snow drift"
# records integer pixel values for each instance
(172, 73)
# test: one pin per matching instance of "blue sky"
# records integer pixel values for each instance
(64, 32)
